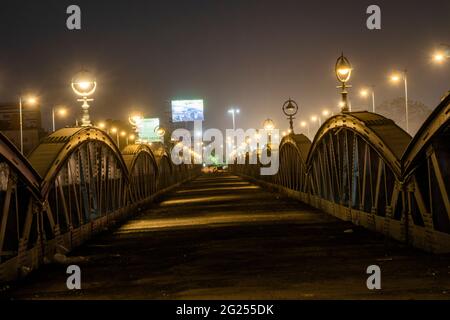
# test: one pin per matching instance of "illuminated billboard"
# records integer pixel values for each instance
(187, 110)
(147, 130)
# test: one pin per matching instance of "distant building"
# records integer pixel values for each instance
(32, 125)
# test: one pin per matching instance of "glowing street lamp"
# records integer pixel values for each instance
(290, 109)
(84, 85)
(61, 111)
(364, 93)
(114, 130)
(124, 134)
(442, 54)
(160, 132)
(31, 100)
(233, 112)
(304, 124)
(395, 78)
(102, 125)
(315, 118)
(343, 70)
(268, 125)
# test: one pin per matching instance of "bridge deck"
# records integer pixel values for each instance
(221, 237)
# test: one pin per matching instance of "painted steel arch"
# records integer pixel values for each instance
(436, 124)
(143, 171)
(78, 183)
(352, 170)
(384, 136)
(49, 156)
(293, 153)
(19, 163)
(84, 183)
(355, 171)
(20, 199)
(427, 182)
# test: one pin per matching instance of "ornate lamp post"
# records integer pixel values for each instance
(84, 85)
(343, 71)
(160, 132)
(290, 109)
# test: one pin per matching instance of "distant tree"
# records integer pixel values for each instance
(395, 109)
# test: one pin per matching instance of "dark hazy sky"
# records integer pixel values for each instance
(253, 54)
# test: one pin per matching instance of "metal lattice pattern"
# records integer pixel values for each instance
(363, 168)
(81, 185)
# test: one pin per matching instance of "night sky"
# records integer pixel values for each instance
(252, 54)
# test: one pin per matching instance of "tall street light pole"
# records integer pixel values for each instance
(365, 92)
(31, 101)
(61, 111)
(233, 112)
(396, 77)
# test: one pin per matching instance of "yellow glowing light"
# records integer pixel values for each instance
(114, 130)
(84, 84)
(313, 118)
(344, 71)
(62, 112)
(364, 93)
(132, 137)
(123, 133)
(325, 113)
(32, 100)
(102, 125)
(439, 57)
(268, 125)
(395, 78)
(303, 123)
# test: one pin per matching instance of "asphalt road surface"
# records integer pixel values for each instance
(220, 237)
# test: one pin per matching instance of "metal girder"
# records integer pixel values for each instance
(436, 123)
(20, 164)
(131, 153)
(388, 139)
(300, 142)
(50, 155)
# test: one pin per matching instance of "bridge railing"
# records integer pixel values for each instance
(363, 168)
(74, 184)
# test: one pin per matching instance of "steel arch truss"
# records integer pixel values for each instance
(75, 184)
(427, 182)
(292, 163)
(143, 172)
(350, 179)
